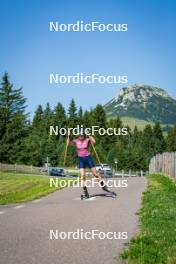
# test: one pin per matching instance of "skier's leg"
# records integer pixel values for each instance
(82, 178)
(98, 177)
(96, 174)
(102, 183)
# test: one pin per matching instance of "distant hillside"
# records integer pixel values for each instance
(143, 102)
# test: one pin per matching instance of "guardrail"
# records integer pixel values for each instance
(21, 168)
(29, 169)
(43, 170)
(130, 173)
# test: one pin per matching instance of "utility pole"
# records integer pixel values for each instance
(47, 161)
(116, 161)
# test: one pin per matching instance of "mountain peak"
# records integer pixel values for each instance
(144, 102)
(142, 90)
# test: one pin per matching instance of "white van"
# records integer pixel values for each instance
(102, 167)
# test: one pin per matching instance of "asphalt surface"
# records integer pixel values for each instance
(25, 229)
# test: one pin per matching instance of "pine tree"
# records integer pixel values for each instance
(80, 116)
(87, 119)
(159, 140)
(114, 123)
(47, 118)
(99, 119)
(171, 139)
(99, 116)
(59, 116)
(80, 112)
(11, 102)
(13, 142)
(148, 140)
(38, 119)
(13, 122)
(136, 135)
(72, 114)
(37, 139)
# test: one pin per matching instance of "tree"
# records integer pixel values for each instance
(38, 118)
(99, 119)
(148, 140)
(80, 112)
(13, 147)
(87, 119)
(99, 116)
(13, 122)
(11, 101)
(47, 118)
(36, 139)
(171, 139)
(159, 141)
(114, 123)
(72, 114)
(40, 144)
(80, 115)
(59, 116)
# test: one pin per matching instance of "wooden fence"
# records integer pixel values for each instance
(165, 163)
(21, 168)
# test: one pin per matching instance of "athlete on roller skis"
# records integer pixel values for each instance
(83, 143)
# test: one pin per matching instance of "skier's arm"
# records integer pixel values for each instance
(70, 141)
(92, 140)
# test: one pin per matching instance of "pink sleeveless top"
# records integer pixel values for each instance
(82, 147)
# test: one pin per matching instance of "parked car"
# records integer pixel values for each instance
(73, 175)
(108, 174)
(54, 171)
(102, 167)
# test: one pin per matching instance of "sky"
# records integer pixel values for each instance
(29, 52)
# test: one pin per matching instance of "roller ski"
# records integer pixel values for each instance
(105, 188)
(83, 197)
(108, 193)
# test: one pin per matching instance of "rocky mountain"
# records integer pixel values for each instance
(144, 102)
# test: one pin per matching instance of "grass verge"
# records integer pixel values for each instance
(16, 188)
(156, 241)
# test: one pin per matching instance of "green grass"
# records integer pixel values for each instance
(17, 188)
(156, 241)
(131, 122)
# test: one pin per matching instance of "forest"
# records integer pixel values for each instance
(27, 141)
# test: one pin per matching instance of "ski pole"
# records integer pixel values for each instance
(66, 148)
(96, 154)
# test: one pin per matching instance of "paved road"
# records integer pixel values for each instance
(24, 229)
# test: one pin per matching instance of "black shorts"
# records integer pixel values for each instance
(86, 161)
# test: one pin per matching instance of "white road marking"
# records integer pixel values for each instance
(37, 201)
(19, 206)
(79, 199)
(2, 212)
(90, 199)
